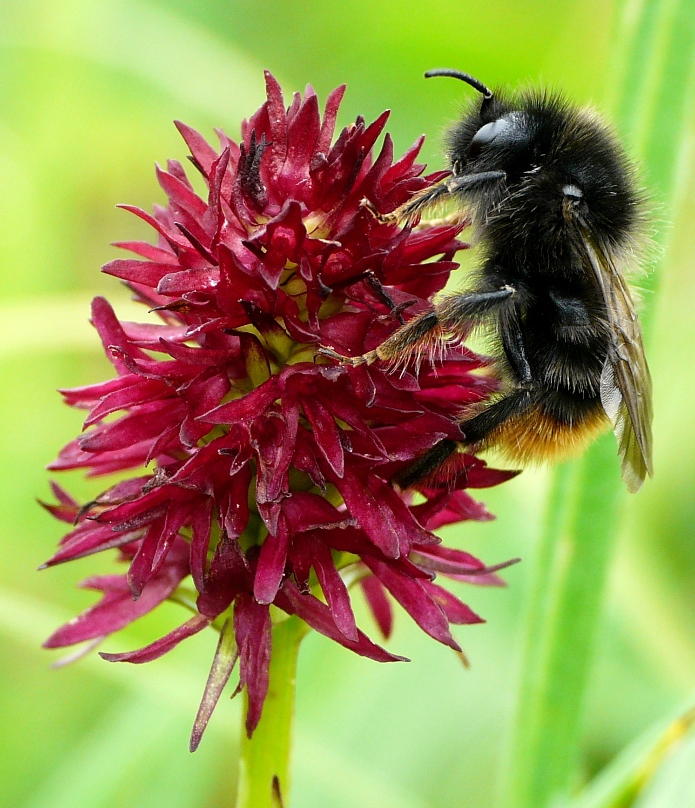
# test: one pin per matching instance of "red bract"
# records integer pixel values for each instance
(263, 469)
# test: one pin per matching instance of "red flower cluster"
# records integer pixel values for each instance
(269, 467)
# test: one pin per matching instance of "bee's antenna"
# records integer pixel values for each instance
(486, 92)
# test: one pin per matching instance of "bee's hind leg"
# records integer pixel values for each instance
(478, 428)
(427, 463)
(474, 432)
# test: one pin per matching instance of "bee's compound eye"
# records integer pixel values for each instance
(507, 131)
(486, 134)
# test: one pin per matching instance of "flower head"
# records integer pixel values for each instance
(262, 470)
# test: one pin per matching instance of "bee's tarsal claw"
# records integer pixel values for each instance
(383, 218)
(353, 361)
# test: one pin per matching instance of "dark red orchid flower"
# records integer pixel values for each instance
(261, 468)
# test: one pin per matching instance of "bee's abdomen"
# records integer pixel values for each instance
(538, 436)
(570, 372)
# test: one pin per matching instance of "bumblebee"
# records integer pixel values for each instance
(553, 199)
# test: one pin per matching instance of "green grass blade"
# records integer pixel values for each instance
(561, 619)
(644, 768)
(654, 101)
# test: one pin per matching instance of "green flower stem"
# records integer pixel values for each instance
(653, 99)
(264, 763)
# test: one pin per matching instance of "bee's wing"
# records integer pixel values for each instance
(626, 385)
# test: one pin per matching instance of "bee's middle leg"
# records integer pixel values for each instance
(450, 317)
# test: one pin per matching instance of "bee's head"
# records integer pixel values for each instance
(493, 135)
(528, 148)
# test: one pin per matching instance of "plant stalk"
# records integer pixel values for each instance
(264, 762)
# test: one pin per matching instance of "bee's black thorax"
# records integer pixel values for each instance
(562, 166)
(554, 203)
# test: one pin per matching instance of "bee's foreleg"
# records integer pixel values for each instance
(421, 201)
(411, 210)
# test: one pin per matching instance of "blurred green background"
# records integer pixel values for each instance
(88, 93)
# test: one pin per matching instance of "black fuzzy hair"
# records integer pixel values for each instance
(555, 145)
